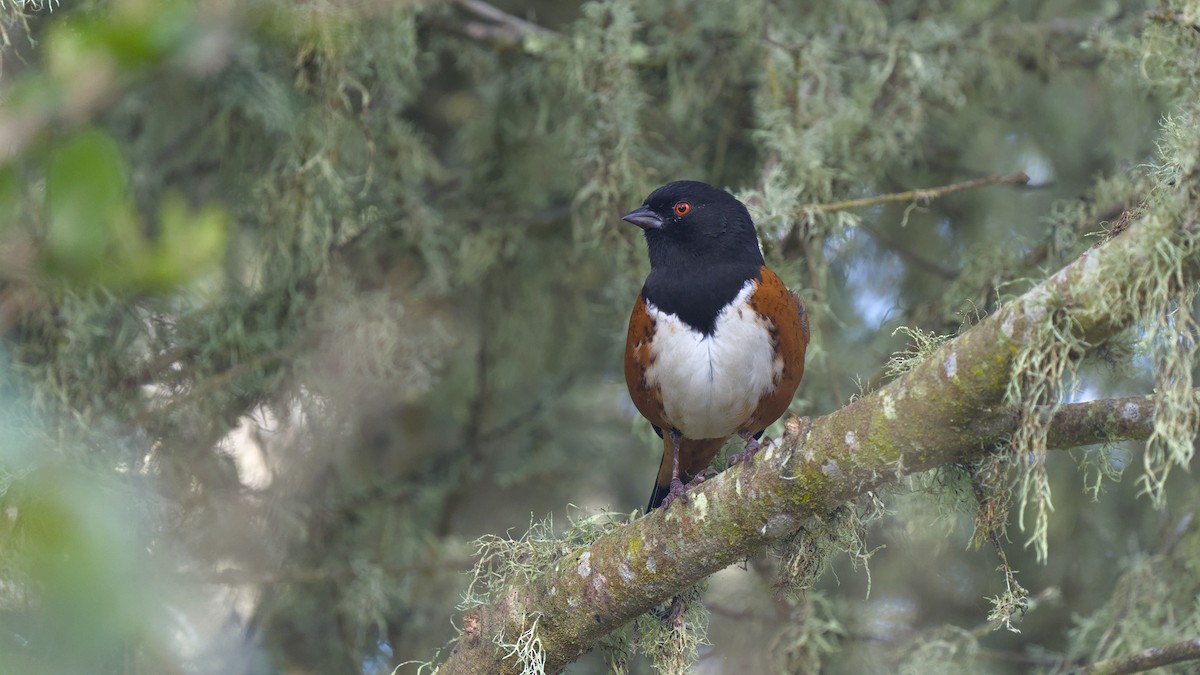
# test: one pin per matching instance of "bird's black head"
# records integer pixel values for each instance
(703, 250)
(689, 223)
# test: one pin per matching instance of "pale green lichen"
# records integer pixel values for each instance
(1045, 361)
(805, 554)
(1167, 302)
(921, 346)
(502, 560)
(700, 506)
(810, 637)
(888, 405)
(1011, 604)
(672, 648)
(949, 650)
(1153, 602)
(527, 649)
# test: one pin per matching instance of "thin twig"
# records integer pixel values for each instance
(213, 383)
(1155, 657)
(1169, 16)
(922, 196)
(237, 576)
(496, 15)
(494, 26)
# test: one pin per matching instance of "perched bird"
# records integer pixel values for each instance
(716, 341)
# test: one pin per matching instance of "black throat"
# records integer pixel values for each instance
(697, 296)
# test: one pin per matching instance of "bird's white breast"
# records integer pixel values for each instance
(711, 384)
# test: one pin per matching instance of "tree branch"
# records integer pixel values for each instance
(917, 197)
(923, 196)
(495, 26)
(498, 16)
(1084, 423)
(949, 408)
(1155, 657)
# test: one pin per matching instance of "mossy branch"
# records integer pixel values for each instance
(1155, 657)
(1074, 424)
(949, 408)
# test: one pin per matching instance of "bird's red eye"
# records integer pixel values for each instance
(682, 208)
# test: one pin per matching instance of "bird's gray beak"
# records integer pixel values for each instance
(644, 218)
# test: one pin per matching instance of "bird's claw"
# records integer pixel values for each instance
(679, 490)
(752, 448)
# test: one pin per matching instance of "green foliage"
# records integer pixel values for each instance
(811, 637)
(299, 298)
(1153, 602)
(94, 238)
(10, 190)
(71, 550)
(130, 36)
(951, 650)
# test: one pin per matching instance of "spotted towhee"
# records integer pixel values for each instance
(716, 341)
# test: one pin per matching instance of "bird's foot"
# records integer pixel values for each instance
(752, 448)
(679, 490)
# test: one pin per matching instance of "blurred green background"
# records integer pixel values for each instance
(297, 299)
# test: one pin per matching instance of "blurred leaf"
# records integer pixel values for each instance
(73, 546)
(189, 244)
(130, 35)
(71, 52)
(10, 197)
(95, 238)
(87, 203)
(144, 32)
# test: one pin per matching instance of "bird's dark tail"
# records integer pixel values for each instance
(657, 496)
